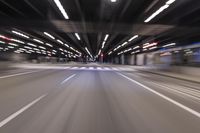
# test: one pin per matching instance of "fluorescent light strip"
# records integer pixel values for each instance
(2, 42)
(161, 9)
(136, 47)
(13, 44)
(20, 34)
(113, 1)
(15, 40)
(88, 51)
(134, 37)
(42, 47)
(59, 41)
(27, 47)
(106, 37)
(30, 44)
(66, 45)
(48, 44)
(110, 53)
(77, 36)
(11, 47)
(169, 45)
(62, 10)
(38, 41)
(49, 35)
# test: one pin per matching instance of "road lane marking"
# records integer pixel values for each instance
(74, 68)
(91, 68)
(114, 68)
(64, 81)
(106, 68)
(8, 119)
(177, 91)
(99, 68)
(18, 74)
(163, 96)
(83, 67)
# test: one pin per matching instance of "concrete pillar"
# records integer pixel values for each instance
(122, 59)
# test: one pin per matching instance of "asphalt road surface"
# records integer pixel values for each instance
(96, 99)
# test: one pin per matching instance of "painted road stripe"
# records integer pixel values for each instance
(91, 68)
(64, 81)
(18, 74)
(163, 96)
(5, 121)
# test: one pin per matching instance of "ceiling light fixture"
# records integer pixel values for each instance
(30, 44)
(60, 41)
(38, 41)
(132, 38)
(62, 10)
(20, 34)
(49, 35)
(48, 44)
(77, 36)
(161, 9)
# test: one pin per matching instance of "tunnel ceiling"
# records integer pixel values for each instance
(94, 27)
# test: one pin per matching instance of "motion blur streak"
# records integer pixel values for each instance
(97, 100)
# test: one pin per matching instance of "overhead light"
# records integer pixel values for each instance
(136, 47)
(161, 9)
(103, 44)
(66, 45)
(11, 47)
(20, 34)
(88, 51)
(49, 35)
(62, 10)
(124, 43)
(15, 40)
(113, 0)
(132, 38)
(42, 47)
(36, 49)
(27, 47)
(48, 44)
(30, 44)
(38, 41)
(77, 36)
(13, 44)
(153, 48)
(2, 42)
(170, 2)
(99, 52)
(59, 41)
(106, 37)
(169, 45)
(147, 45)
(110, 53)
(54, 51)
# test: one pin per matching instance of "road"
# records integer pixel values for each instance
(96, 99)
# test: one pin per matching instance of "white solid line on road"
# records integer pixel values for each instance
(64, 81)
(74, 68)
(163, 96)
(99, 68)
(177, 91)
(18, 74)
(114, 68)
(83, 67)
(91, 68)
(5, 121)
(106, 68)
